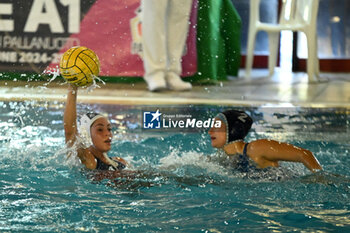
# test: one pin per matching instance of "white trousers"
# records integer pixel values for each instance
(164, 33)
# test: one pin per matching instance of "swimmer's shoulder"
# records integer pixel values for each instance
(261, 142)
(260, 145)
(259, 149)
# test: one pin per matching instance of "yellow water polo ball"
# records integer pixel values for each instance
(79, 65)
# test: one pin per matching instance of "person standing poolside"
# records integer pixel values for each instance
(95, 133)
(164, 32)
(258, 154)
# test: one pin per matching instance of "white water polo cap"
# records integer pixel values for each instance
(85, 124)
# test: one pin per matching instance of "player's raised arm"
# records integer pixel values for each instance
(70, 115)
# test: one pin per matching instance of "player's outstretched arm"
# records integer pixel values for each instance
(270, 151)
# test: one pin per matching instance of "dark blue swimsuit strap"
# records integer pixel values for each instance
(245, 150)
(243, 164)
(103, 166)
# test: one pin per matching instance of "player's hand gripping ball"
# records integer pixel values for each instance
(79, 65)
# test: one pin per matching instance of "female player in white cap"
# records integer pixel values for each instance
(95, 133)
(257, 154)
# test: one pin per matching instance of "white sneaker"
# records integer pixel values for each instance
(156, 81)
(174, 82)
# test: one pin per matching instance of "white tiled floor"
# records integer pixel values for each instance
(282, 88)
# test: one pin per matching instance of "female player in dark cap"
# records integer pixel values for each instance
(261, 153)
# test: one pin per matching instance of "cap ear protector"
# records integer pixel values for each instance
(237, 123)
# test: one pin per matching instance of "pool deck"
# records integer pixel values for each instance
(284, 88)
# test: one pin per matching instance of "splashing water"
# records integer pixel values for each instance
(178, 160)
(55, 72)
(94, 85)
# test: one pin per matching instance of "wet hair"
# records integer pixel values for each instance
(238, 124)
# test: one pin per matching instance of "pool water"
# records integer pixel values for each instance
(180, 182)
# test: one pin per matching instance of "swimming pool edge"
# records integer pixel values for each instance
(116, 100)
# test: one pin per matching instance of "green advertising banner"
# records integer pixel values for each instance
(218, 40)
